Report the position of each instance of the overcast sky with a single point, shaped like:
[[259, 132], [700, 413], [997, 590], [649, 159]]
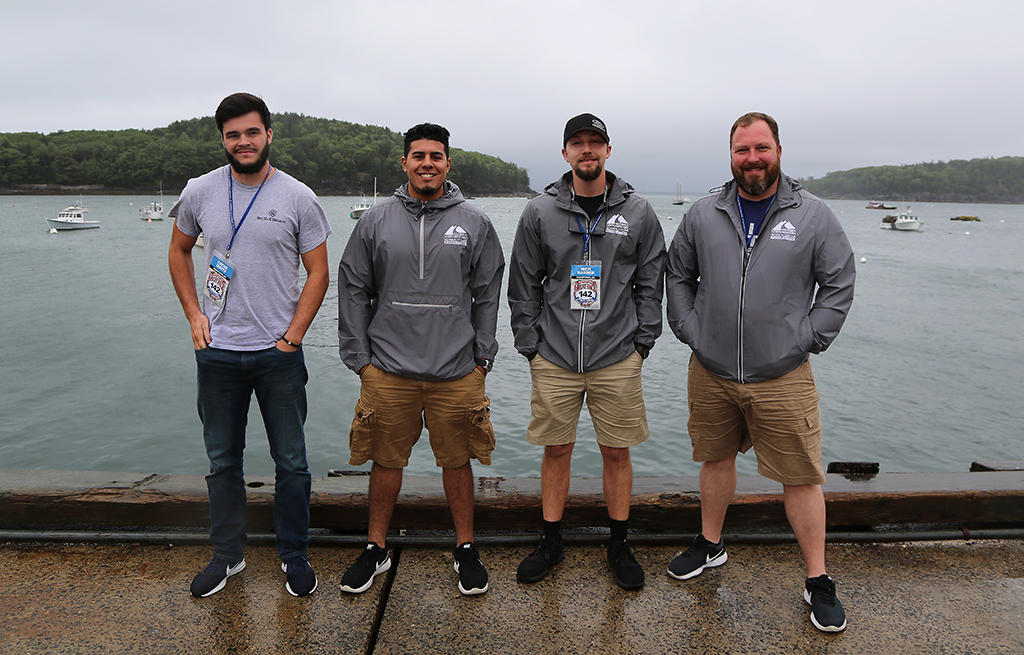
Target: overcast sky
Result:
[[851, 84]]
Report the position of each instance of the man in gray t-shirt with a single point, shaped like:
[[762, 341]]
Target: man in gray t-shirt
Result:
[[258, 225]]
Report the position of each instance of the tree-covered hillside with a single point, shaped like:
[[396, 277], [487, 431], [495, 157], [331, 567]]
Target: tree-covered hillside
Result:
[[330, 156], [977, 180]]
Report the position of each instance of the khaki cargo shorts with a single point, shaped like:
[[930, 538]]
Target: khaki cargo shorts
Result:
[[614, 395], [392, 410], [779, 418]]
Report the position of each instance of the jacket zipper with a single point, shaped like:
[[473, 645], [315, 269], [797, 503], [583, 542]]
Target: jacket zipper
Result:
[[420, 304], [422, 221]]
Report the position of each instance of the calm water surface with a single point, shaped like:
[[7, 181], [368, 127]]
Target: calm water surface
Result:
[[99, 372]]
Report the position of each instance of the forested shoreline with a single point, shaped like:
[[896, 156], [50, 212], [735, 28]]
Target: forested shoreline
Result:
[[333, 157], [999, 180]]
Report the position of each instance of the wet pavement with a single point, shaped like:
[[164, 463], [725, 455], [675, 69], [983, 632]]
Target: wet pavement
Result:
[[964, 596]]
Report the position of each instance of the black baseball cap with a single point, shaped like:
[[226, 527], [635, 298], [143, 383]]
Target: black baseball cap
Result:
[[584, 122]]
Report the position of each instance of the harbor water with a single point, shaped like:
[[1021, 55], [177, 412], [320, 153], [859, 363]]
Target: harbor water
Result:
[[99, 374]]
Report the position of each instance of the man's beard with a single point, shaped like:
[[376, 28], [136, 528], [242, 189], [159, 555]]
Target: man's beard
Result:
[[588, 175], [249, 169], [757, 188]]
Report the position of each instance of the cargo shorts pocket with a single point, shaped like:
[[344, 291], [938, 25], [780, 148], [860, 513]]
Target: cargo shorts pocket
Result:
[[481, 432], [360, 437]]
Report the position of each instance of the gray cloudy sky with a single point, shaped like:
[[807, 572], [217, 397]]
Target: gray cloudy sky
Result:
[[851, 84]]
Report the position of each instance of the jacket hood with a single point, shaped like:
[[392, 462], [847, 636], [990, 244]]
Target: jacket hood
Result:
[[452, 196], [618, 190]]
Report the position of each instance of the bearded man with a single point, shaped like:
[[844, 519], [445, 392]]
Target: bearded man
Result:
[[585, 287], [259, 225], [760, 276]]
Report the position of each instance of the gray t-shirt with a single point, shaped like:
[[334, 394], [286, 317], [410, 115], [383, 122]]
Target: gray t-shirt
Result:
[[285, 221]]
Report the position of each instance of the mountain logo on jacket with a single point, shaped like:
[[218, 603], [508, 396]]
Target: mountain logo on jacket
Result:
[[456, 236], [617, 225], [784, 231]]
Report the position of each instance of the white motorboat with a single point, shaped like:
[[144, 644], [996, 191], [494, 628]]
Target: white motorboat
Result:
[[363, 205], [154, 211], [359, 208], [72, 218], [904, 221]]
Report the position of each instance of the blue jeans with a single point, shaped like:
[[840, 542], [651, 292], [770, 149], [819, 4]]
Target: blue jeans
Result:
[[227, 380]]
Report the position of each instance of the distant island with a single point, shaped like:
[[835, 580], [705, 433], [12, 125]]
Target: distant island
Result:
[[333, 157], [977, 180]]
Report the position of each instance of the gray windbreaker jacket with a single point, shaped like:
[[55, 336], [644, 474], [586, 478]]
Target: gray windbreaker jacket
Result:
[[628, 241], [758, 318], [419, 286]]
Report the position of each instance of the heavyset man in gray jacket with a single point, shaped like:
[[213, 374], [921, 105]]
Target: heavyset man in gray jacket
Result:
[[585, 287], [760, 276], [418, 293]]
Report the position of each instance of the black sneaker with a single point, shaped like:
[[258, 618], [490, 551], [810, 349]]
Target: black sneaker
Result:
[[472, 574], [827, 612], [537, 564], [213, 578], [301, 579], [628, 573], [701, 555], [360, 575]]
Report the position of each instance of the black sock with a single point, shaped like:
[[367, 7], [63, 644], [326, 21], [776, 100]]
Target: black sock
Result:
[[619, 529], [553, 530]]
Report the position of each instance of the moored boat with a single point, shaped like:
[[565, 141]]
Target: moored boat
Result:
[[904, 221], [72, 218], [874, 204]]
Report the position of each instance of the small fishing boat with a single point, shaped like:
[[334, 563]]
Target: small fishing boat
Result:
[[874, 204], [904, 221], [154, 211], [72, 218]]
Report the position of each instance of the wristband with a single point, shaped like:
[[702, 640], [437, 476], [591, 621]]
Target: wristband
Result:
[[293, 345]]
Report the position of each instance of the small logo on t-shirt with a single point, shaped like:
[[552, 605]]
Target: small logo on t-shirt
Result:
[[784, 231], [456, 236], [617, 225], [271, 216]]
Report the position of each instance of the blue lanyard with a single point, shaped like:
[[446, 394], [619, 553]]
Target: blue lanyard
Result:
[[755, 228], [587, 233], [231, 205]]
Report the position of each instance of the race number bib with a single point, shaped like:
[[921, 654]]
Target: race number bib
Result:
[[217, 280], [585, 285]]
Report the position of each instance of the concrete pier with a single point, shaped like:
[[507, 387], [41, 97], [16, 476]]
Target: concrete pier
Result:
[[94, 588]]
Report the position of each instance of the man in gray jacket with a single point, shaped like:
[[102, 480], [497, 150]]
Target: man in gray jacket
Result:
[[585, 288], [418, 293], [760, 276]]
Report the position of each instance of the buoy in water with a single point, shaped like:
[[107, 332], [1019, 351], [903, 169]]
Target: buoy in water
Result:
[[53, 230], [863, 260]]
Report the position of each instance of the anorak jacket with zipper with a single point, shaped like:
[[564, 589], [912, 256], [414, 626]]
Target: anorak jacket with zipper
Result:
[[751, 315], [628, 241], [419, 286]]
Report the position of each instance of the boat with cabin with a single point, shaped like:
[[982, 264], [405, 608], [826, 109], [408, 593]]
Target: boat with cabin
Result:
[[904, 221], [72, 218]]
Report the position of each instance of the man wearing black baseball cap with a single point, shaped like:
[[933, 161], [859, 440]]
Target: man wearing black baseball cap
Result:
[[585, 287]]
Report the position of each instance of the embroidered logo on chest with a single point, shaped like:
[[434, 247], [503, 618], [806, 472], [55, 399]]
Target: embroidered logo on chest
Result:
[[456, 236], [617, 225], [784, 231]]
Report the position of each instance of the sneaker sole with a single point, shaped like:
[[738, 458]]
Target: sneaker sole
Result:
[[231, 571], [823, 628], [380, 569], [475, 591], [544, 574], [717, 561], [288, 587]]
